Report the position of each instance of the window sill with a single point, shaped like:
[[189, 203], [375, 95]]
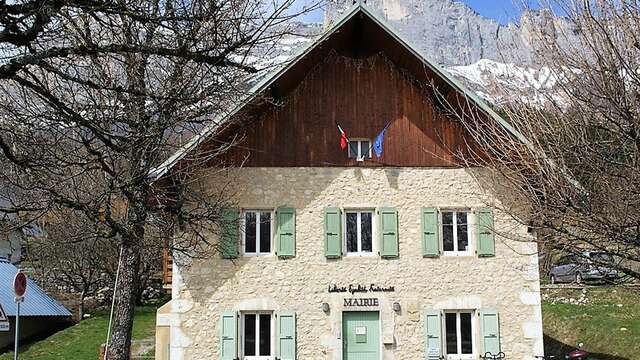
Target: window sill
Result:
[[466, 254], [258, 256], [360, 255]]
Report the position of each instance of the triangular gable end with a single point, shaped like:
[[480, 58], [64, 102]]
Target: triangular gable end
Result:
[[3, 315], [361, 22]]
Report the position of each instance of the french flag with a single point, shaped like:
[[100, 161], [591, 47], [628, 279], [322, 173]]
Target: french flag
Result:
[[344, 141]]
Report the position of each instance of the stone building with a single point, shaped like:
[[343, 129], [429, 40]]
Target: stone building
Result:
[[387, 248]]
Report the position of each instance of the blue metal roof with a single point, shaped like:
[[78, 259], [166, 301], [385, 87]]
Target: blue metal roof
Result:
[[36, 301]]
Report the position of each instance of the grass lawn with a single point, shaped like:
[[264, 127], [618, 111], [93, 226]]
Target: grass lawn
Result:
[[608, 325], [82, 341]]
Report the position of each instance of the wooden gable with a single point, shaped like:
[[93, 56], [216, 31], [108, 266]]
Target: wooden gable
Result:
[[362, 75], [361, 79], [363, 96]]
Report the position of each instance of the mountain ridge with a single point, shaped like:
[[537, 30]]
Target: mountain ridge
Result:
[[499, 62], [453, 34]]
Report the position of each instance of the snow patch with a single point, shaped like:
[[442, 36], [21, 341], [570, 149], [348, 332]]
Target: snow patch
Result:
[[486, 72], [498, 82]]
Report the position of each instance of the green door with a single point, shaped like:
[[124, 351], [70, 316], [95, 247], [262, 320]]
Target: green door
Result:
[[361, 335]]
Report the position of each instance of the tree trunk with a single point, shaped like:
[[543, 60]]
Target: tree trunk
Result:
[[81, 306], [120, 343]]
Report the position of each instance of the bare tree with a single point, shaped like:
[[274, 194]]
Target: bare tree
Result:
[[95, 94], [71, 257], [577, 163], [68, 257]]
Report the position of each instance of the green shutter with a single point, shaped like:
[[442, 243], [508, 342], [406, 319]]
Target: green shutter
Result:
[[490, 331], [333, 232], [430, 238], [388, 232], [229, 233], [286, 335], [286, 232], [228, 335], [486, 237], [432, 334]]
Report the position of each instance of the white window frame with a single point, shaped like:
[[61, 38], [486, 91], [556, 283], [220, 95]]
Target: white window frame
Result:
[[470, 241], [258, 238], [359, 211], [359, 156], [273, 336], [474, 336]]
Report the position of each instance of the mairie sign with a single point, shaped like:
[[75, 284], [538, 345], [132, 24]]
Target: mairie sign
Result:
[[361, 302]]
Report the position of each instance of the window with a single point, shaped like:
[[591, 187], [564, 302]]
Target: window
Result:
[[601, 258], [257, 331], [566, 260], [257, 232], [360, 149], [359, 232], [459, 330], [455, 232]]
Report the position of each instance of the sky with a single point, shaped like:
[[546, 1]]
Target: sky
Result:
[[503, 11]]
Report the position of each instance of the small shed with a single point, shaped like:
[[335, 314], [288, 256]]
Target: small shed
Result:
[[39, 313]]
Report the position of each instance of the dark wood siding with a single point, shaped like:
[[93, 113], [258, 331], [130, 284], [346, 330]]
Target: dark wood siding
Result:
[[362, 95]]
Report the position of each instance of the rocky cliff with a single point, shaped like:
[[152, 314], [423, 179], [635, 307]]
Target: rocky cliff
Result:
[[452, 34], [500, 63]]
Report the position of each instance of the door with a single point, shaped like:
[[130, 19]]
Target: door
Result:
[[361, 335], [571, 269]]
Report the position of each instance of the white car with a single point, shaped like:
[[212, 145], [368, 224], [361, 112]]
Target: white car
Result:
[[589, 265]]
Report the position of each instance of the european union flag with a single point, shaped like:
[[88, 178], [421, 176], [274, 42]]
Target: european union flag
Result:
[[377, 143]]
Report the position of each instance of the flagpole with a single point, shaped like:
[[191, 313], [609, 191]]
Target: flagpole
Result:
[[113, 303], [342, 132]]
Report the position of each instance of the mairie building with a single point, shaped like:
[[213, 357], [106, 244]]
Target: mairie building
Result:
[[372, 241]]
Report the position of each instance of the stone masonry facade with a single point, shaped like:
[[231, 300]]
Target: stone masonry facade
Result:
[[508, 282]]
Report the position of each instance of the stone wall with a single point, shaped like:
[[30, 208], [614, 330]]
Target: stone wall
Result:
[[507, 282]]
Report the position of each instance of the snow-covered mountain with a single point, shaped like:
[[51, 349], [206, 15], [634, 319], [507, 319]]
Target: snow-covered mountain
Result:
[[500, 63], [451, 33], [500, 83]]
